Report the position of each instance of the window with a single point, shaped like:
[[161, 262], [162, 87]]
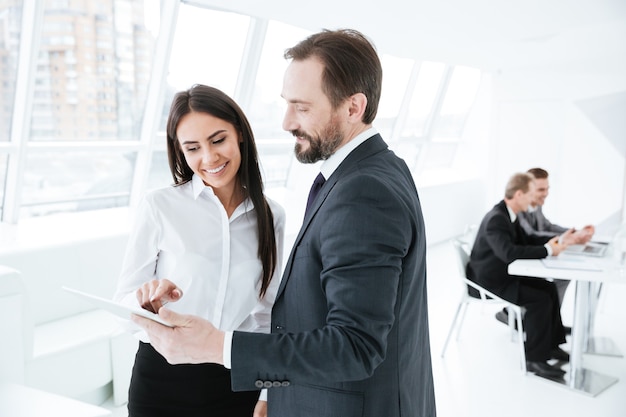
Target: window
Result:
[[78, 146], [10, 28], [425, 93], [267, 107], [200, 55], [458, 100], [71, 121]]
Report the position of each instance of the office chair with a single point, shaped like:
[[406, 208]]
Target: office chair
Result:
[[462, 249]]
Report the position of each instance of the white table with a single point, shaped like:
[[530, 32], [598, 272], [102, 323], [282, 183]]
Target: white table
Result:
[[20, 401], [587, 272]]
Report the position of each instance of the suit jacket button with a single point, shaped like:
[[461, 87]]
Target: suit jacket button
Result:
[[267, 384], [285, 383], [258, 383], [278, 327], [276, 384]]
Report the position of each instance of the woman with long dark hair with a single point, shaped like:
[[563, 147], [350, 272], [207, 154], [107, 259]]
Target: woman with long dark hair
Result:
[[210, 245]]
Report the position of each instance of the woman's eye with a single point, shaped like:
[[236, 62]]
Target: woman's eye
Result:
[[220, 140], [192, 149]]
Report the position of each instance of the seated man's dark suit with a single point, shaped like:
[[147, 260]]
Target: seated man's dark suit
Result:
[[498, 243], [535, 223]]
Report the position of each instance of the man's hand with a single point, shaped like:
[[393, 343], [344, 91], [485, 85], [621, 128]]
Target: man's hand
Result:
[[191, 340], [578, 237], [586, 233], [260, 410], [556, 246], [154, 294]]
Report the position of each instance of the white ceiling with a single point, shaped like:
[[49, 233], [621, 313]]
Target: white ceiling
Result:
[[575, 35]]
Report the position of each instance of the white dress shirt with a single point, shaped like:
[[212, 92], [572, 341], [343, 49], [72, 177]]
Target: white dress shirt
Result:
[[182, 233]]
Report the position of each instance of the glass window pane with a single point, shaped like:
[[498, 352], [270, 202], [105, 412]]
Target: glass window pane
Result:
[[207, 49], [10, 28], [423, 98], [396, 73], [3, 171], [160, 175], [76, 180], [93, 68], [459, 98], [267, 107]]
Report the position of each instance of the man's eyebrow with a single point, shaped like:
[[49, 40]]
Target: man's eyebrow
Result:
[[295, 100]]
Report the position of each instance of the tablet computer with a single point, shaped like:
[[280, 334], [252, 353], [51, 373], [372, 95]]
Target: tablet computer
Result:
[[118, 309], [589, 249]]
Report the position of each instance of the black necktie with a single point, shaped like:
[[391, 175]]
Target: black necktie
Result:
[[315, 189]]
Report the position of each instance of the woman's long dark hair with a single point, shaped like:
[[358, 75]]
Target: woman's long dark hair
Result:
[[204, 99]]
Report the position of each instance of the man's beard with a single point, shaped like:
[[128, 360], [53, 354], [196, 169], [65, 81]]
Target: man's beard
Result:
[[320, 147]]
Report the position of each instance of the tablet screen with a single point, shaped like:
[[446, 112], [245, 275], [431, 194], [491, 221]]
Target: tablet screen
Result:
[[118, 309]]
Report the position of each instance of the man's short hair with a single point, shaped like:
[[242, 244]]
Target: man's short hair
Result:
[[538, 173], [519, 181]]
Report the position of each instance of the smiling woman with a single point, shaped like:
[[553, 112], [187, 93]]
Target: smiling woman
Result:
[[212, 243]]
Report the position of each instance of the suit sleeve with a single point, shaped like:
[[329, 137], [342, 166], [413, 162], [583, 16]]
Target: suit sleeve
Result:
[[537, 235], [364, 232], [500, 236]]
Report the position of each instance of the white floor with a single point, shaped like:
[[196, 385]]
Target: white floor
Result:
[[480, 374]]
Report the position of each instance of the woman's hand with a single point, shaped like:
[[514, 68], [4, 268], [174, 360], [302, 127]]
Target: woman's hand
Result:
[[154, 294]]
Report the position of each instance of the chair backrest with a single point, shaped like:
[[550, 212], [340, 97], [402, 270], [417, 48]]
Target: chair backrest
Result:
[[463, 248], [463, 255]]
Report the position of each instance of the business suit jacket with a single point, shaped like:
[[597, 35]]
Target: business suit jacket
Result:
[[350, 322], [498, 243], [535, 223]]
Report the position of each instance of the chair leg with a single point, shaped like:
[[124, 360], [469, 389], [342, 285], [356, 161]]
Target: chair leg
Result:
[[520, 340], [512, 315], [454, 322], [462, 318]]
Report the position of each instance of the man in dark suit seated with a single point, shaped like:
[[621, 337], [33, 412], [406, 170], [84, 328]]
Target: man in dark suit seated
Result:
[[500, 241], [534, 222]]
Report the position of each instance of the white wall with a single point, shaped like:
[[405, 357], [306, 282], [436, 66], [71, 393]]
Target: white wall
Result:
[[536, 122]]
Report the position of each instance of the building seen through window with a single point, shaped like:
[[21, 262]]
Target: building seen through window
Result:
[[73, 117]]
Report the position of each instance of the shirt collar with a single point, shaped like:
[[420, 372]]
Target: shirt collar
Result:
[[532, 208], [331, 164], [198, 186], [512, 214]]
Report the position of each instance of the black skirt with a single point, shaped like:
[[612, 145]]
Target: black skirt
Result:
[[158, 389]]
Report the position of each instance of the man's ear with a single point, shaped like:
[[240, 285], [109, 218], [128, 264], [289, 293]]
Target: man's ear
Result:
[[356, 106]]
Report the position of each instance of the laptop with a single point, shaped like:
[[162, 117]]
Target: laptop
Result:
[[588, 249]]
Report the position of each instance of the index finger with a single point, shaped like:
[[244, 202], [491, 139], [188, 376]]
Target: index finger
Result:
[[163, 292]]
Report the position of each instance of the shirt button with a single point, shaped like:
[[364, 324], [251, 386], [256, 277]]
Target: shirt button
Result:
[[279, 327]]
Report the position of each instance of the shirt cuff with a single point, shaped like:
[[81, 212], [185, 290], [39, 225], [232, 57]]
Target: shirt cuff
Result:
[[228, 341], [548, 248], [263, 395]]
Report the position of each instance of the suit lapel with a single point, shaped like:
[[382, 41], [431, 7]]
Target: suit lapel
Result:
[[364, 150]]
